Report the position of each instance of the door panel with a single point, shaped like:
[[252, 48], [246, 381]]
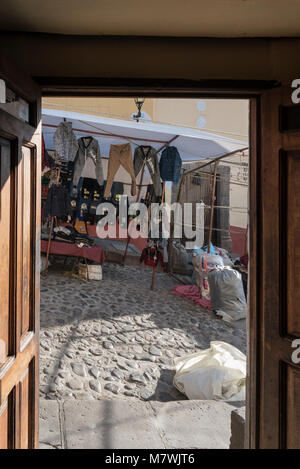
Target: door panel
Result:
[[275, 377], [4, 426], [24, 410], [27, 170], [292, 164], [20, 165], [292, 407]]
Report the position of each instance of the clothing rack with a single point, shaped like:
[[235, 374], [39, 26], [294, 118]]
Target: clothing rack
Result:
[[123, 137], [214, 178], [51, 229], [196, 171]]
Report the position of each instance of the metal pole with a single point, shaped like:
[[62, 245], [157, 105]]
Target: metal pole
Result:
[[51, 228], [49, 243], [212, 205], [167, 143], [214, 161]]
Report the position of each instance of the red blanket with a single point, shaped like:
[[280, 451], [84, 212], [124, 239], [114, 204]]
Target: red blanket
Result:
[[192, 292]]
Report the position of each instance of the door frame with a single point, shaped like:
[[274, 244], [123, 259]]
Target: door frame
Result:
[[231, 89], [251, 90]]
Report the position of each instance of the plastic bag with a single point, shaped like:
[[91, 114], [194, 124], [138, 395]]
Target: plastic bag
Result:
[[224, 254], [218, 373], [227, 293], [204, 263], [180, 258], [202, 250]]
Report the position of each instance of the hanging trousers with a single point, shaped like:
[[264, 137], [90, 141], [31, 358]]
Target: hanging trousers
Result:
[[119, 155]]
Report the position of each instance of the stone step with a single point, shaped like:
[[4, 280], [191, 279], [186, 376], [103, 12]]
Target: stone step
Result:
[[120, 424]]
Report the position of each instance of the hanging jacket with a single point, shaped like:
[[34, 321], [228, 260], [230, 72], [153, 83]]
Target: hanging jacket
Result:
[[88, 149], [149, 155], [170, 165], [58, 202], [65, 142]]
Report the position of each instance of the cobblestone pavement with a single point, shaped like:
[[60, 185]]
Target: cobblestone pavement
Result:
[[116, 339]]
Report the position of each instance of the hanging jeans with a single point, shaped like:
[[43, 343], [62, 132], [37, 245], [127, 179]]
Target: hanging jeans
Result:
[[119, 155]]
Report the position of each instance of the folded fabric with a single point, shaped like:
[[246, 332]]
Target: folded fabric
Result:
[[192, 292], [244, 260]]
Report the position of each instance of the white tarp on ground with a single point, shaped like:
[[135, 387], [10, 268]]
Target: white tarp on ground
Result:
[[217, 373], [192, 144]]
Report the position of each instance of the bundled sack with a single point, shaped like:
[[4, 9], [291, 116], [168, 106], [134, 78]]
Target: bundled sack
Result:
[[203, 264], [218, 373], [227, 293], [180, 258], [224, 254], [214, 250]]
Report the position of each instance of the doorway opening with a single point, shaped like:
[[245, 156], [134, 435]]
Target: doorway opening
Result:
[[112, 326]]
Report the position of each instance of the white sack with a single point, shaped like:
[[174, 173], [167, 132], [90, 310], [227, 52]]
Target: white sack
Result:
[[227, 293], [217, 373]]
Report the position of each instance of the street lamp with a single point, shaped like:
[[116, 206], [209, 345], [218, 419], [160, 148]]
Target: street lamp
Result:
[[139, 103]]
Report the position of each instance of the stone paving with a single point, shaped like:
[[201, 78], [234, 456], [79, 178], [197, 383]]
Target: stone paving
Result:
[[116, 339]]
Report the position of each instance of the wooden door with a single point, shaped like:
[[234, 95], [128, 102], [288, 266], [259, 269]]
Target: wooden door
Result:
[[20, 170], [274, 319]]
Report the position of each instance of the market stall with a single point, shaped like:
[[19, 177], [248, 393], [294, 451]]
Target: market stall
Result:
[[90, 159]]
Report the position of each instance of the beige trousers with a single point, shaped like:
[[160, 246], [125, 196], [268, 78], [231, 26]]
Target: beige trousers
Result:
[[119, 155]]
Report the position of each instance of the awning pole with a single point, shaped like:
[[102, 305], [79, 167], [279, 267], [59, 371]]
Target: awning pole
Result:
[[212, 206], [167, 143], [171, 238]]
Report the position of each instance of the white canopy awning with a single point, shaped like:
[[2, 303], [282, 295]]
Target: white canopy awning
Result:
[[192, 144]]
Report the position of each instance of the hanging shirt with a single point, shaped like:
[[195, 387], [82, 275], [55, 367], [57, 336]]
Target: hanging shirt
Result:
[[88, 159], [65, 142]]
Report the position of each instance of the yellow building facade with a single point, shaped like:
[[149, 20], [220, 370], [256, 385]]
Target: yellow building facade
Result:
[[226, 117]]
